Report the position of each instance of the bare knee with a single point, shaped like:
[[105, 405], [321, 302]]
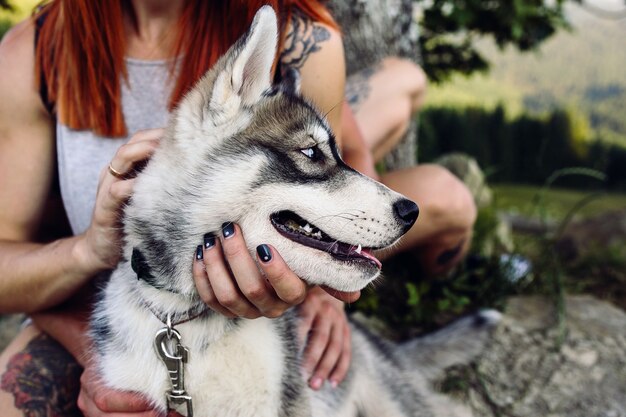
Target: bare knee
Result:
[[453, 207]]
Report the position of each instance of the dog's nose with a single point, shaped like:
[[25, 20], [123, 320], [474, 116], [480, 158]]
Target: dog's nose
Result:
[[406, 212]]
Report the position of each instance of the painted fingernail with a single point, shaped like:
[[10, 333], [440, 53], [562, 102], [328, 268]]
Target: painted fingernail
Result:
[[209, 240], [199, 254], [316, 383], [264, 252], [228, 229]]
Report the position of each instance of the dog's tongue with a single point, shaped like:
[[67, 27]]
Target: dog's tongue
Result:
[[367, 254]]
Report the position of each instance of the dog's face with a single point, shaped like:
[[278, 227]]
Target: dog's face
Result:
[[239, 149]]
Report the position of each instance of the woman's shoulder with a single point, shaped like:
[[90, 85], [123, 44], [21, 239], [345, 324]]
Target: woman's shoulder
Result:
[[305, 37], [17, 66], [19, 41], [17, 55]]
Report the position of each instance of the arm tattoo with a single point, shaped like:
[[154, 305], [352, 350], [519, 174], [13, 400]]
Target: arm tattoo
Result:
[[44, 379], [358, 86], [302, 40]]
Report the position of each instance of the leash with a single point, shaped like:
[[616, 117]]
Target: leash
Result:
[[168, 344]]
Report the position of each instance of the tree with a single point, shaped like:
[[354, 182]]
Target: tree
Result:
[[450, 27], [374, 29]]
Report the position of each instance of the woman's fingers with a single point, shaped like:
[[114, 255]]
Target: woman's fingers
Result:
[[287, 285], [246, 273], [229, 281], [130, 154], [203, 285], [223, 284]]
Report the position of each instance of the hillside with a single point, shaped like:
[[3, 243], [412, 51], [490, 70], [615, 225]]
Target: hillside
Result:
[[583, 70]]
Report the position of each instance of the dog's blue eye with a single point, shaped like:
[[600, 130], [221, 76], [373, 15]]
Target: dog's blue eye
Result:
[[311, 153]]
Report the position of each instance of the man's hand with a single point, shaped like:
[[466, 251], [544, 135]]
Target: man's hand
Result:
[[325, 330]]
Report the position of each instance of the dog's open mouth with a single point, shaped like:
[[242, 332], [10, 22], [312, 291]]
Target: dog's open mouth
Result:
[[295, 228]]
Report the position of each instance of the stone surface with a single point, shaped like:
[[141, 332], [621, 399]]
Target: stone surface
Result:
[[536, 367], [9, 325], [583, 237]]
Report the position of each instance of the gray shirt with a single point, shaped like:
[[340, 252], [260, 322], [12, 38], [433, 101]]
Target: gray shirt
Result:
[[82, 155]]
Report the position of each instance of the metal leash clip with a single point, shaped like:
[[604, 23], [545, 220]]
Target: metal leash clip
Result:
[[174, 355]]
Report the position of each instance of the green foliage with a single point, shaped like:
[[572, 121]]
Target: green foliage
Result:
[[12, 12], [450, 28], [581, 70], [527, 149], [4, 4]]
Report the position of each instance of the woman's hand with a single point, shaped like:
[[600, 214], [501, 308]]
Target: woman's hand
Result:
[[325, 330], [101, 248], [229, 281]]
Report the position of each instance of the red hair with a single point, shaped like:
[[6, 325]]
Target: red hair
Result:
[[81, 47]]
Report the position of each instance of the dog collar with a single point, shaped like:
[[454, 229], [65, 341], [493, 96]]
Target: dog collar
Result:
[[172, 320]]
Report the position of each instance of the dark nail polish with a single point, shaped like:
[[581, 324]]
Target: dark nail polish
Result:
[[209, 240], [264, 252], [228, 229], [199, 253]]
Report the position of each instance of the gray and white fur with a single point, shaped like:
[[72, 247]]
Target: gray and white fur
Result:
[[239, 149]]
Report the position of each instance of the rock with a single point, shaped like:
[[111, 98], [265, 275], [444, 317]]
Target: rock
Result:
[[9, 326], [467, 170], [534, 367], [582, 238]]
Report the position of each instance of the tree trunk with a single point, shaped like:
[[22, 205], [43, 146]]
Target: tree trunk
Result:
[[373, 30]]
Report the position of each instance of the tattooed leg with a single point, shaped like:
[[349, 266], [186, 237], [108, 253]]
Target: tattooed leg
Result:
[[42, 379], [358, 86]]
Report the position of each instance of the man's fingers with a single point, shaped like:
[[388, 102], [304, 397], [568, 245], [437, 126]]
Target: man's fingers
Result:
[[341, 369], [316, 345], [329, 359], [346, 297]]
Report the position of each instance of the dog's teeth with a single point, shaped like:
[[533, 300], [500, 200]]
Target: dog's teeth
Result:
[[307, 228], [358, 249]]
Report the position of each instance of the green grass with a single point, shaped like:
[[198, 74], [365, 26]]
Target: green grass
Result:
[[521, 199]]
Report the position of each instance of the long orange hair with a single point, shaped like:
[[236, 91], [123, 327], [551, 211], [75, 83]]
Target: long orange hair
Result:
[[81, 47]]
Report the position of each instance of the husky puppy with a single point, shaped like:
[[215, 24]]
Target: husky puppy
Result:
[[239, 149]]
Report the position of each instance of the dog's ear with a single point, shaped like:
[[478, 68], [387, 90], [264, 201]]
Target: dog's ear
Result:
[[290, 82], [247, 73]]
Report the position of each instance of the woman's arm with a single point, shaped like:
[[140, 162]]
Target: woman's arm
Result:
[[35, 276], [32, 276]]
